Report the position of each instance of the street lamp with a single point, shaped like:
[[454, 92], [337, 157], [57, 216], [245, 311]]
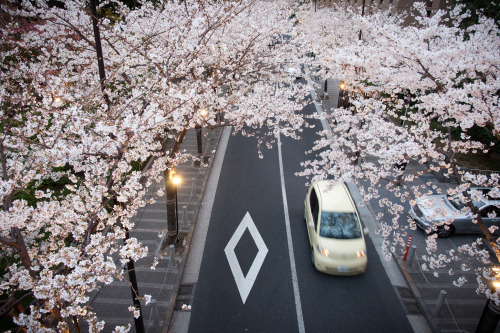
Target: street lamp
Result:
[[172, 181], [176, 180], [491, 313], [56, 101], [342, 96], [203, 113]]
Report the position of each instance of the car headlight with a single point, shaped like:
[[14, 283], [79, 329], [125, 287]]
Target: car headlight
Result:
[[361, 253], [324, 252]]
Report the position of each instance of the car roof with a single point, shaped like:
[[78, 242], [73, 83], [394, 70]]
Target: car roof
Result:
[[335, 198]]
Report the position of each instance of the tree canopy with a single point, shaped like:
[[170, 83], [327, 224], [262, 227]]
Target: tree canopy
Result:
[[415, 94], [72, 139]]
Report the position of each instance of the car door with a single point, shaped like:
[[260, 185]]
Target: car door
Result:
[[464, 224], [307, 210]]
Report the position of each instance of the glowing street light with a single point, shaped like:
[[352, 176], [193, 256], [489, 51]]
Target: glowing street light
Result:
[[172, 211], [203, 112], [496, 284], [57, 101], [343, 100], [176, 180], [491, 312]]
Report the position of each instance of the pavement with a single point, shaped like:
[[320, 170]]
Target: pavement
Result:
[[163, 283], [173, 283]]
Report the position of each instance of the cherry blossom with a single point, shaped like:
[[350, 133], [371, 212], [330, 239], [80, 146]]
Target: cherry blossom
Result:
[[70, 139], [402, 81]]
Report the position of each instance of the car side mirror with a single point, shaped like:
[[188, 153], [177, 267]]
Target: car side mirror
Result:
[[366, 231], [310, 224]]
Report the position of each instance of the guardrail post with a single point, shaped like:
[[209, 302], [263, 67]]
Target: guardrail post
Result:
[[411, 255], [184, 215], [407, 248], [440, 301], [154, 313], [172, 262]]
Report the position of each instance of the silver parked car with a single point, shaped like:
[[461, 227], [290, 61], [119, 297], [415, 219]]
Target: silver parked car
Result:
[[430, 212]]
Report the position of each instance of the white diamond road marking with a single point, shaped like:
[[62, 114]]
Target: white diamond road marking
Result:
[[245, 283]]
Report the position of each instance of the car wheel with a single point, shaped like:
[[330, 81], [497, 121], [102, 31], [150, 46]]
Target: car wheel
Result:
[[312, 257], [443, 232]]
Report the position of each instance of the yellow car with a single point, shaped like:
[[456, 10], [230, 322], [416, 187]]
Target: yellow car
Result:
[[335, 231]]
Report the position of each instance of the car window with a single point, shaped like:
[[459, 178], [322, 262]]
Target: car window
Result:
[[314, 207], [490, 212], [339, 225]]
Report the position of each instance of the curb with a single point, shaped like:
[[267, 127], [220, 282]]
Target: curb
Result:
[[187, 245], [426, 312]]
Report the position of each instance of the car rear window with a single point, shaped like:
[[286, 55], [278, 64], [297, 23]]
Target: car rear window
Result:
[[339, 225]]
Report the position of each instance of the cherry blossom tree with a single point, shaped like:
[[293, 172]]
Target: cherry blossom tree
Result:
[[415, 92], [73, 145]]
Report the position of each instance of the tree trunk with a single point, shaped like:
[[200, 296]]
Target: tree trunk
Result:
[[134, 287], [98, 48]]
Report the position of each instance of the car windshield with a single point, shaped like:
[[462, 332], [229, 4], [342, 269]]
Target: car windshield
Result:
[[339, 225], [455, 201]]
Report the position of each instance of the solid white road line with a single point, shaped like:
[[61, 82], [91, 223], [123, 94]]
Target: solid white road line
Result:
[[296, 293]]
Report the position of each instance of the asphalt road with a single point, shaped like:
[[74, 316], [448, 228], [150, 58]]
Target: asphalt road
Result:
[[248, 236]]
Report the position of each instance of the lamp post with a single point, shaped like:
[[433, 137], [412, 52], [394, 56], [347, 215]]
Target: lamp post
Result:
[[172, 214], [176, 180], [340, 102], [491, 313], [203, 113]]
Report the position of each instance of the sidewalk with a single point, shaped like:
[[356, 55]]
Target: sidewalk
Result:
[[163, 283], [459, 309]]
